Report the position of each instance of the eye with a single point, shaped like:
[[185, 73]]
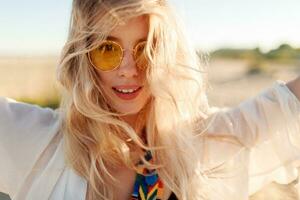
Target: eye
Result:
[[140, 56], [106, 47], [139, 49]]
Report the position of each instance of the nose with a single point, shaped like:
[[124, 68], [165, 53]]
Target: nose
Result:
[[128, 66]]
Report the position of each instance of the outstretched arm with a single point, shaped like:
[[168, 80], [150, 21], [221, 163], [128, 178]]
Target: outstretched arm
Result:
[[258, 119], [294, 86], [26, 132]]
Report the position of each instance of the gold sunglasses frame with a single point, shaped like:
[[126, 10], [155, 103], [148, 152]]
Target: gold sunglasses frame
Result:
[[134, 51]]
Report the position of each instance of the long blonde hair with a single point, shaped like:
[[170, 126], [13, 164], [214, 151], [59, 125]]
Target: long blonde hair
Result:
[[95, 137]]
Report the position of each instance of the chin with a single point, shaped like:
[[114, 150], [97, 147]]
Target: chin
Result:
[[129, 109]]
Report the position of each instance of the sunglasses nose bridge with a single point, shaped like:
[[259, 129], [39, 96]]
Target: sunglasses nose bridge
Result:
[[128, 67], [128, 52]]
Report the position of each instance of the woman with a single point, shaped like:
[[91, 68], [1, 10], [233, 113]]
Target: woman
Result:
[[134, 122]]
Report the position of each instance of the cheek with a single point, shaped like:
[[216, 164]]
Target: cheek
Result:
[[105, 84], [105, 79]]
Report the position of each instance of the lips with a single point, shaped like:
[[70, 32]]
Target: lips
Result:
[[127, 92]]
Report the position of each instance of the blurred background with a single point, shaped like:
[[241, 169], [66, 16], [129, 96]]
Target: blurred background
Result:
[[247, 45]]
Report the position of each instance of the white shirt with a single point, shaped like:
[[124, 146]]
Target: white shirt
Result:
[[267, 129]]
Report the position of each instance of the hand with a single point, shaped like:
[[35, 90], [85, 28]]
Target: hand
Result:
[[294, 86]]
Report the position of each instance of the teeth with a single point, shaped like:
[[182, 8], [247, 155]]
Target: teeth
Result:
[[127, 90]]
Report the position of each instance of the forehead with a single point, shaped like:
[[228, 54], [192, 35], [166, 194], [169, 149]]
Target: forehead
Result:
[[135, 28]]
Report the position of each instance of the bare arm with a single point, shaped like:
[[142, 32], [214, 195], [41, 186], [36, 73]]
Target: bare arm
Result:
[[294, 86]]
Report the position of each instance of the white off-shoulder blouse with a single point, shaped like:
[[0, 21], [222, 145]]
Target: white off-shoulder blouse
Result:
[[259, 139]]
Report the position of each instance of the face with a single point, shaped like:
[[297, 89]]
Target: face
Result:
[[126, 87]]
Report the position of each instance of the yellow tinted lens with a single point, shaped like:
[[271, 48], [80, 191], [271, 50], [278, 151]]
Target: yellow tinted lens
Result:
[[107, 56], [140, 55]]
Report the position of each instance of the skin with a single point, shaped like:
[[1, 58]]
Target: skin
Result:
[[127, 74], [294, 86], [128, 35]]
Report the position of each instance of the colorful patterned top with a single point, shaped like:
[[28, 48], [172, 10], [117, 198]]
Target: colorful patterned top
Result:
[[148, 185]]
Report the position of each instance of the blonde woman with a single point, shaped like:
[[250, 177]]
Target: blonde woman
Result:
[[134, 122]]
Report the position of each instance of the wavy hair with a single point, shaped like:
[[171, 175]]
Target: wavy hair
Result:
[[96, 139]]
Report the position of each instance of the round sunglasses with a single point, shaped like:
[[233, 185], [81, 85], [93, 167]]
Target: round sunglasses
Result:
[[109, 55]]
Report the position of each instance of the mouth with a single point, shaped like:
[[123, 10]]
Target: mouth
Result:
[[127, 93]]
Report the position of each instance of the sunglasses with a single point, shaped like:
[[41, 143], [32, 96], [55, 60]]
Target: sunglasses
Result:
[[109, 55]]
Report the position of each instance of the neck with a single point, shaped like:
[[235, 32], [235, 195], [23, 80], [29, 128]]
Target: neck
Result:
[[138, 121], [135, 122], [130, 119]]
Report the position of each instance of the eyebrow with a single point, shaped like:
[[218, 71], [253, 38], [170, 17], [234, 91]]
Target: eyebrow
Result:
[[113, 38], [118, 40]]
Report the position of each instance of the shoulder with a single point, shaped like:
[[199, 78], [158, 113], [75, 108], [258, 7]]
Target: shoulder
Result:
[[15, 116], [27, 141], [16, 109]]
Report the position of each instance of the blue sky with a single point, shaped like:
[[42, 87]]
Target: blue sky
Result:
[[40, 26]]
